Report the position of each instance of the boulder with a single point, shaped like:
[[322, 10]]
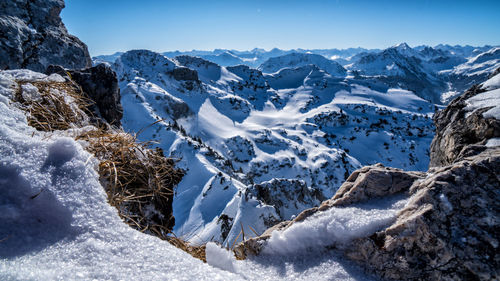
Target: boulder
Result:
[[448, 231]]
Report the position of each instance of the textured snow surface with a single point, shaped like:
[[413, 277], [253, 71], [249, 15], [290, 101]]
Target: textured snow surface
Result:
[[56, 223], [300, 252], [489, 98], [307, 265], [335, 226]]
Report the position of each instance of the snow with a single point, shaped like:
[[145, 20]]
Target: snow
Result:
[[493, 142], [219, 257], [56, 222], [490, 98], [492, 83], [300, 251], [335, 226]]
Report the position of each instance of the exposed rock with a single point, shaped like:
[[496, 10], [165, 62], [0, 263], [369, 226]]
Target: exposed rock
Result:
[[458, 134], [33, 36], [450, 229], [101, 86], [372, 182], [184, 73]]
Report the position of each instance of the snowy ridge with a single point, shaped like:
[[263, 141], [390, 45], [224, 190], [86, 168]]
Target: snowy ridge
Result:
[[295, 60], [239, 133]]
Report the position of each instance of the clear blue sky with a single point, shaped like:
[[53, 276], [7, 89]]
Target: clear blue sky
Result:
[[107, 26]]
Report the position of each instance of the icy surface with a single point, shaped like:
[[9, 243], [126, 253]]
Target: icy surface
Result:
[[56, 223]]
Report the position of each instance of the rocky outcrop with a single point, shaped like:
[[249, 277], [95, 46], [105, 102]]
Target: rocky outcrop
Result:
[[32, 36], [100, 85], [448, 231], [184, 74], [459, 134], [371, 182]]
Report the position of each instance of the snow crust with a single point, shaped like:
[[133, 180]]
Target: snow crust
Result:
[[300, 251], [335, 226]]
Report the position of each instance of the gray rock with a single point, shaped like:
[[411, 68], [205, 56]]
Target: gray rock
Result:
[[372, 182], [33, 36], [448, 231], [100, 84], [458, 135]]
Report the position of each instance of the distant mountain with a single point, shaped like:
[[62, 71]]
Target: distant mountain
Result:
[[225, 59], [294, 60], [106, 58]]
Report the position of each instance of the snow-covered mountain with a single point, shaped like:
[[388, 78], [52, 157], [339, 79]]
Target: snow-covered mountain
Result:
[[263, 134], [258, 148], [435, 74], [295, 60]]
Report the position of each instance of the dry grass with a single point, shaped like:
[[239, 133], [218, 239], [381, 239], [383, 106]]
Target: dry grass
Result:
[[60, 105], [139, 181], [195, 251]]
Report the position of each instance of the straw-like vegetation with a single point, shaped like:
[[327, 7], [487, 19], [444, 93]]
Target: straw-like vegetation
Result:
[[58, 105], [139, 181]]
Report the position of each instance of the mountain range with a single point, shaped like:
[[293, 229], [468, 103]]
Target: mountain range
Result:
[[259, 145]]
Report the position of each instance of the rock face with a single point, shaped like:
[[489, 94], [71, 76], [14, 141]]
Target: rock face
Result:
[[459, 135], [371, 182], [101, 86], [33, 36], [448, 231], [450, 227]]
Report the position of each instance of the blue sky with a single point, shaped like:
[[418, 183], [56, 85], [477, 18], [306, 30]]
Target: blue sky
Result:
[[107, 26]]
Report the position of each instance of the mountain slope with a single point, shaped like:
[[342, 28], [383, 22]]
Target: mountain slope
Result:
[[239, 135]]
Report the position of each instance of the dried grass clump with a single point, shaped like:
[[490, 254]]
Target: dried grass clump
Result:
[[58, 106], [139, 181], [195, 251]]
